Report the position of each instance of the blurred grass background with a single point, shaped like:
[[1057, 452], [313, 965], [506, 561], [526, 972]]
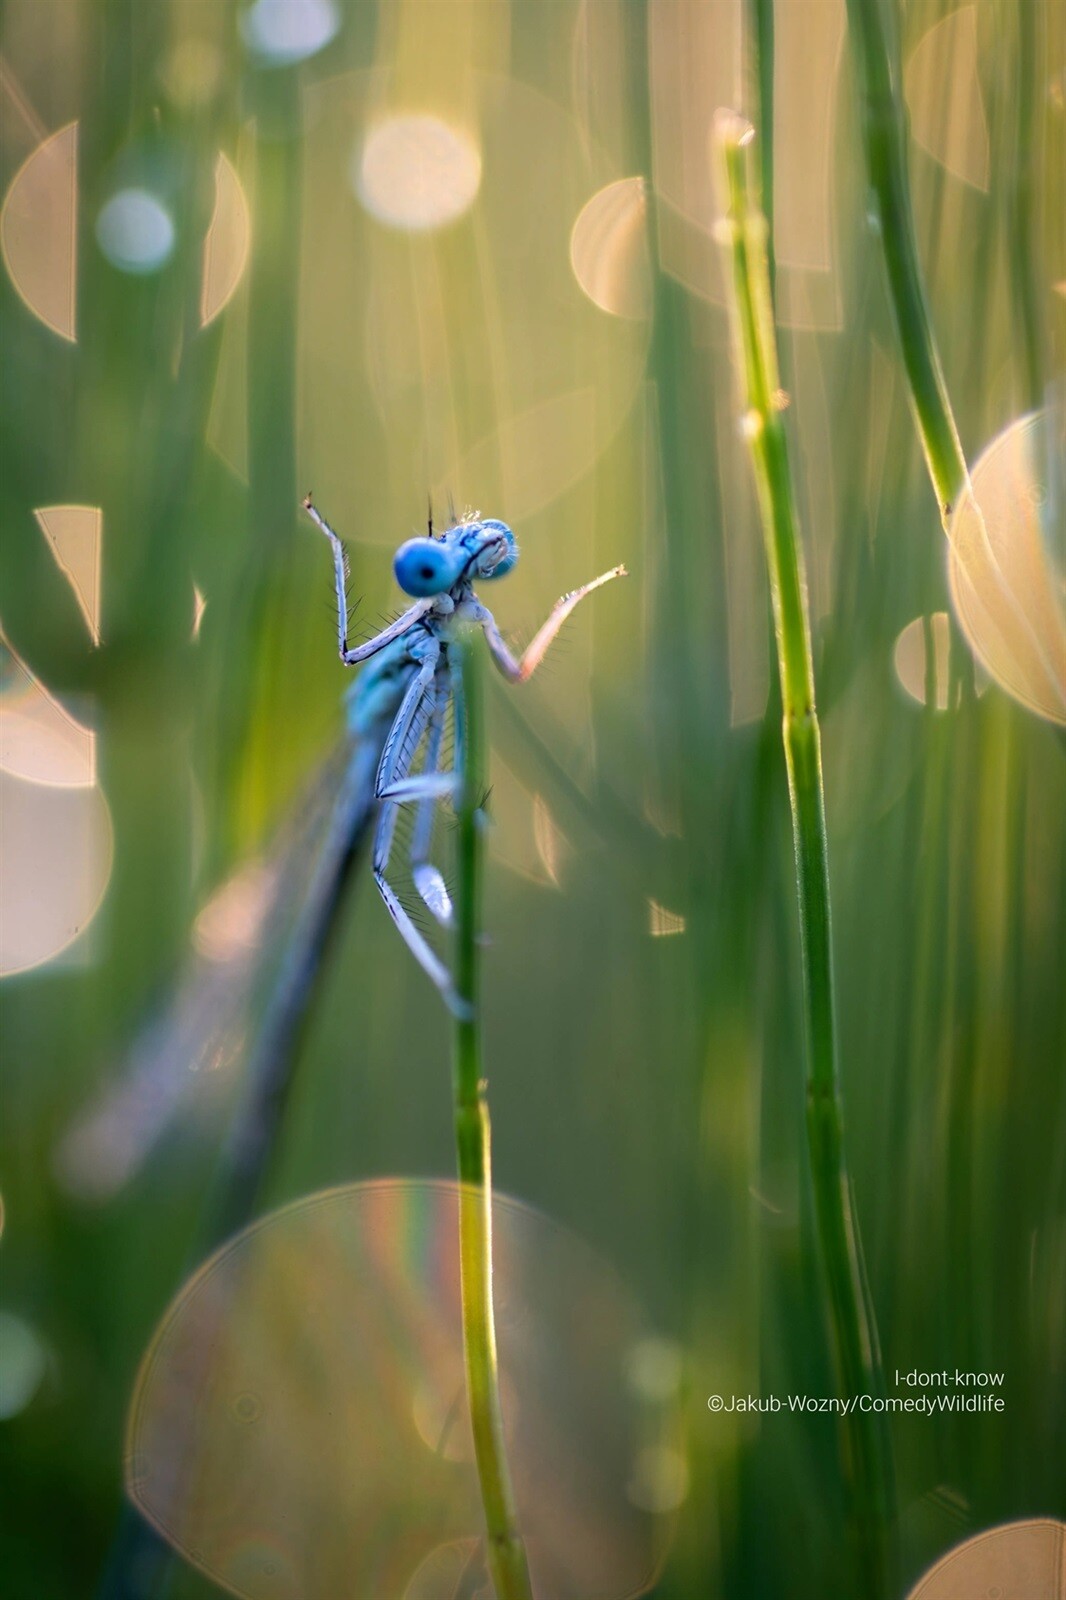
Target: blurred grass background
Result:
[[642, 1029]]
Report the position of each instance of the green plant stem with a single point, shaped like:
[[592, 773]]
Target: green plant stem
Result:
[[884, 126], [506, 1552], [761, 27], [854, 1331], [885, 138]]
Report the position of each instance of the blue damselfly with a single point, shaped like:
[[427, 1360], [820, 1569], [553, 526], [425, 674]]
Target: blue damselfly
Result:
[[246, 988]]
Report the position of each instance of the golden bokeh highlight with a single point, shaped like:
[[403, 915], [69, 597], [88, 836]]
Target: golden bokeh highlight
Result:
[[609, 249], [56, 848], [1006, 585], [943, 93], [40, 741], [299, 1457], [910, 658], [74, 534], [56, 844], [226, 243], [416, 172], [38, 230], [1022, 1560], [38, 227]]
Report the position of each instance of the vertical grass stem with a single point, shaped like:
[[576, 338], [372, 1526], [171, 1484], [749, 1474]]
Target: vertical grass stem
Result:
[[743, 232], [506, 1552], [884, 128], [885, 137]]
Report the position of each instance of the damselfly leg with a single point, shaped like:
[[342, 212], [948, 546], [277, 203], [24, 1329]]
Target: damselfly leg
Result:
[[433, 786], [518, 671], [353, 656], [421, 715]]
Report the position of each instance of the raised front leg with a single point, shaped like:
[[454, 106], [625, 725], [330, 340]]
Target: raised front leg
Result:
[[519, 670], [352, 656]]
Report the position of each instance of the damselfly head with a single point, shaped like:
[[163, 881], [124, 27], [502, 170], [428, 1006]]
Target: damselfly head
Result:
[[470, 550], [499, 549], [426, 567]]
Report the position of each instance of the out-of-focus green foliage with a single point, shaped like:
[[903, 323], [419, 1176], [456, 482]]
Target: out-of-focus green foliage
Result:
[[642, 1031]]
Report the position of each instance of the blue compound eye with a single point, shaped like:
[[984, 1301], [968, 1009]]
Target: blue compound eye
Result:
[[424, 567], [500, 557]]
